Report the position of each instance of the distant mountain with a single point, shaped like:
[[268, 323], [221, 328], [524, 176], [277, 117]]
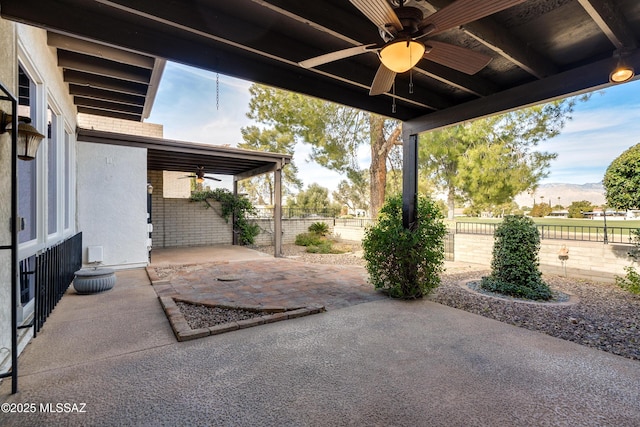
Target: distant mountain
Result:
[[568, 193]]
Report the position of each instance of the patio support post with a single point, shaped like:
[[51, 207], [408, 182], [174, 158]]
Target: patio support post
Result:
[[234, 235], [409, 179], [277, 211]]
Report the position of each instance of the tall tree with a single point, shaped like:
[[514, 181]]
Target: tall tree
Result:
[[260, 189], [489, 161], [335, 132], [622, 180]]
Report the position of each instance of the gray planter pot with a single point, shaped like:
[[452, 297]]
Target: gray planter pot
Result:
[[94, 280]]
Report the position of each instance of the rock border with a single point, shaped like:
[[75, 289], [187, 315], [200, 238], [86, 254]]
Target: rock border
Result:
[[183, 331], [573, 299]]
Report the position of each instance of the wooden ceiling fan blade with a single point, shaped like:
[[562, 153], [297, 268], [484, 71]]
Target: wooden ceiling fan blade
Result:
[[334, 56], [462, 12], [213, 178], [456, 57], [383, 81], [380, 13]]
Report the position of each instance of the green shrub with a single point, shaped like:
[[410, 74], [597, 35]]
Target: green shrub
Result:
[[308, 239], [514, 267], [324, 247], [405, 263], [320, 228], [631, 280], [232, 205]]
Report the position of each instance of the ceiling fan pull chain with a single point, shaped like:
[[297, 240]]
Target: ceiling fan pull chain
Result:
[[217, 91], [411, 81], [393, 105]]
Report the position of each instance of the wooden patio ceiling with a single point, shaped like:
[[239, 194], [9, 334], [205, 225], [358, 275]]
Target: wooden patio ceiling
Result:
[[539, 49]]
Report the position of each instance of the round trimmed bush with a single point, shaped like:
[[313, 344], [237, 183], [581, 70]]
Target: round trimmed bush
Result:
[[514, 267]]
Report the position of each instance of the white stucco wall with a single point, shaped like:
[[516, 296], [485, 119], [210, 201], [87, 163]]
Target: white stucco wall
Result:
[[41, 59], [8, 78], [112, 202]]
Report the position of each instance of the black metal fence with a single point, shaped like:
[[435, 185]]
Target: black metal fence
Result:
[[558, 232], [53, 272], [288, 212], [354, 222]]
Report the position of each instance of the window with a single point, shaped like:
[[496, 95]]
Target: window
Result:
[[27, 170]]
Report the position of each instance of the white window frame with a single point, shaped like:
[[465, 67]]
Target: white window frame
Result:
[[38, 120], [69, 194]]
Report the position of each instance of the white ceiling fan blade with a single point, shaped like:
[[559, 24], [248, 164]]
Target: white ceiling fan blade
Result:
[[383, 81], [380, 13], [456, 57], [462, 12], [334, 56]]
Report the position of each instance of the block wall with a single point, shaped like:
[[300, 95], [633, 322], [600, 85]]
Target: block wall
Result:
[[129, 127], [181, 222], [587, 260]]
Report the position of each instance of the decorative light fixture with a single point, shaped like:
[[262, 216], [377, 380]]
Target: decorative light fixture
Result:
[[401, 55], [28, 137], [623, 71]]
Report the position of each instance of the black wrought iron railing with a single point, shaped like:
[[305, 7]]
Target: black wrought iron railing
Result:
[[558, 232], [288, 212], [354, 222], [53, 273]]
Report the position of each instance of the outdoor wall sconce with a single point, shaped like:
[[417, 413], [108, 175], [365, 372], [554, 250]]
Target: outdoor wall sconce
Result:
[[28, 137], [623, 71]]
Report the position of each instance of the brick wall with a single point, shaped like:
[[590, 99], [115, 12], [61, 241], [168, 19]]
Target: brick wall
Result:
[[179, 222], [107, 124]]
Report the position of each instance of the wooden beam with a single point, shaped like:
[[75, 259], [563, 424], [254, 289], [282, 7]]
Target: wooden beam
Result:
[[611, 22], [99, 50], [581, 79], [80, 78], [106, 95], [102, 67], [492, 35]]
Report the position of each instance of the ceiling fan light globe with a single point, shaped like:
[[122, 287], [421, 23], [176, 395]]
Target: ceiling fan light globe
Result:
[[401, 56], [199, 180], [621, 74]]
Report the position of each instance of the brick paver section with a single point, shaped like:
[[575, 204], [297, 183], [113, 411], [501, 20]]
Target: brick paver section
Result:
[[270, 282]]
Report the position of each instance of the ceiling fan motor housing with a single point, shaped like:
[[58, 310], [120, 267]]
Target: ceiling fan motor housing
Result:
[[410, 18]]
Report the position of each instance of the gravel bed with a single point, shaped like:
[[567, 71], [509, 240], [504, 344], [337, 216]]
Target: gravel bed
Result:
[[606, 317], [202, 316]]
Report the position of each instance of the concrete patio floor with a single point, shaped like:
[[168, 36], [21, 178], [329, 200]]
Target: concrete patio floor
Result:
[[375, 363]]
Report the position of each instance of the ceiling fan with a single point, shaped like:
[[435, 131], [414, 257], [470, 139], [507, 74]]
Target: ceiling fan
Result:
[[406, 33], [200, 176]]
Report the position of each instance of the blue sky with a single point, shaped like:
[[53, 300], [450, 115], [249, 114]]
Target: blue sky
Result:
[[600, 131]]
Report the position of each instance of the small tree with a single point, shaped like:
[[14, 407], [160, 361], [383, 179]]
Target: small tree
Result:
[[576, 209], [405, 263], [540, 210], [622, 180], [515, 261]]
